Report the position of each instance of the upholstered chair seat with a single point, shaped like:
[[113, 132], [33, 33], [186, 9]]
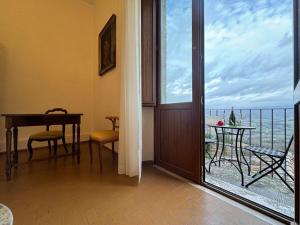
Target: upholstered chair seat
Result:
[[104, 136], [49, 135], [46, 135]]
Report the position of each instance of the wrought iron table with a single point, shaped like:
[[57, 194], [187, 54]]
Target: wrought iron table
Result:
[[239, 133]]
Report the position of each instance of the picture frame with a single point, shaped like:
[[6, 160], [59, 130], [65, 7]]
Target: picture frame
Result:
[[107, 46]]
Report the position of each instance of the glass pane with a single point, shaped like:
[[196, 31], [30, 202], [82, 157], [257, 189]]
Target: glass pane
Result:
[[249, 74], [176, 51]]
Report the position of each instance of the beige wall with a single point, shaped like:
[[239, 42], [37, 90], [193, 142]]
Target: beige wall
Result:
[[106, 88], [45, 59], [49, 56]]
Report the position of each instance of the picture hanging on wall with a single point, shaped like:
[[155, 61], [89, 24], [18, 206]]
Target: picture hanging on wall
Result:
[[107, 46]]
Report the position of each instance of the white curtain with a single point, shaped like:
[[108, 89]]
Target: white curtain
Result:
[[130, 141]]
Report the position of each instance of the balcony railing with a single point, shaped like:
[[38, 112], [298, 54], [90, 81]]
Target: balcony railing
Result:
[[274, 128]]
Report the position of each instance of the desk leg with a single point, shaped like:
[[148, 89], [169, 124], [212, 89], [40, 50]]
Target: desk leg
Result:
[[8, 154], [78, 143], [15, 155], [242, 153], [237, 156], [216, 153], [73, 139], [223, 146]]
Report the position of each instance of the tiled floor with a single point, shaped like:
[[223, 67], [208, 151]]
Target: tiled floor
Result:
[[60, 192], [269, 191]]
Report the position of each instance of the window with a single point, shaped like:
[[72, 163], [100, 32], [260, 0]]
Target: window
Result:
[[176, 51]]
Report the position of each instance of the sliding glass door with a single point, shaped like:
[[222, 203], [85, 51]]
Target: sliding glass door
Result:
[[225, 113], [249, 78]]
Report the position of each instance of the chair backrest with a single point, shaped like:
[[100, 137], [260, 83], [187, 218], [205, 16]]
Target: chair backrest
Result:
[[114, 120], [57, 111]]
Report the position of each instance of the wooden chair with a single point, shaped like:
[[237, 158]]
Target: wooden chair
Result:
[[53, 135], [104, 137]]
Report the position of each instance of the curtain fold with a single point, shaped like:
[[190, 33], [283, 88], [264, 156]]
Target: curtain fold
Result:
[[130, 140]]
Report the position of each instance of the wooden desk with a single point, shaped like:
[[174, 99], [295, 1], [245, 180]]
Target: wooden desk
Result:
[[23, 120]]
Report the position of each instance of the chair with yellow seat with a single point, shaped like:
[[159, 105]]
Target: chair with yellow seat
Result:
[[49, 135], [105, 137]]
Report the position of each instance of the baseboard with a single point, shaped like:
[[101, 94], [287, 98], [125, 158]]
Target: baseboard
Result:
[[148, 162], [22, 146], [22, 142]]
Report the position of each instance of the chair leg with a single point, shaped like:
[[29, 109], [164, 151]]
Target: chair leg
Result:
[[91, 151], [272, 169], [64, 144], [267, 173], [49, 146], [258, 178], [113, 151], [100, 156], [55, 147], [290, 176], [215, 155], [207, 148], [274, 162], [29, 149]]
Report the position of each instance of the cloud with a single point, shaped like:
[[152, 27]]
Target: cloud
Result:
[[178, 51], [255, 57], [248, 52]]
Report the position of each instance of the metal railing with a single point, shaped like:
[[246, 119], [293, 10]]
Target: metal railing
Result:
[[274, 128]]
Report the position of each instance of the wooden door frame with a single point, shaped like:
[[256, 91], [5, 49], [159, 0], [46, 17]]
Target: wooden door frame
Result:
[[198, 83], [296, 108]]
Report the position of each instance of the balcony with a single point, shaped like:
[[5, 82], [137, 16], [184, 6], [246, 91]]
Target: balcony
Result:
[[273, 129]]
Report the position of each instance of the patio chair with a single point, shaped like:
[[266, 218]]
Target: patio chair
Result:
[[208, 142], [278, 157]]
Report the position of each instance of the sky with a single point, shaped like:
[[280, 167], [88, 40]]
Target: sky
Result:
[[178, 51], [248, 53]]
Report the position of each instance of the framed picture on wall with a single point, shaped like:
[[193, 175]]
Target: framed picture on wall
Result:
[[107, 46]]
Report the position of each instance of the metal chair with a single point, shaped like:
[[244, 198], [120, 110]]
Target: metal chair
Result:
[[49, 135], [104, 137], [207, 143], [278, 157]]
